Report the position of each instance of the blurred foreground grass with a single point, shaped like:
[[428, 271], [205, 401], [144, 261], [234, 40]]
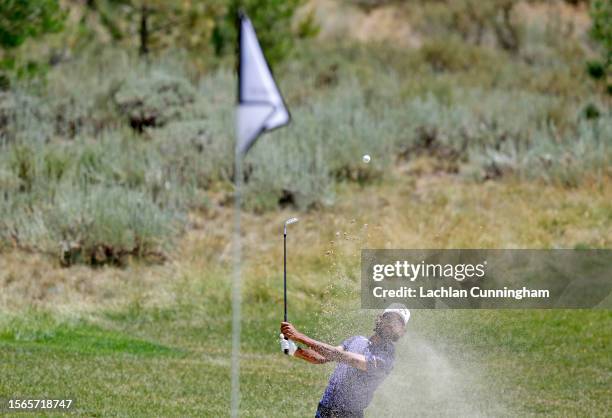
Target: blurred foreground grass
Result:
[[551, 363], [155, 340]]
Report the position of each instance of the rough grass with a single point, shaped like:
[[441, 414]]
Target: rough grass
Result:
[[155, 340]]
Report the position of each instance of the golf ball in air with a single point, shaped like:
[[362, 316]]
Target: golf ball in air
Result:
[[366, 158]]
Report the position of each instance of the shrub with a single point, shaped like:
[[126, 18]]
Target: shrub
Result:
[[192, 154], [23, 117], [22, 20], [287, 171], [443, 55], [97, 225], [154, 101], [92, 201], [80, 92], [596, 69], [106, 224], [601, 29], [557, 158], [601, 32]]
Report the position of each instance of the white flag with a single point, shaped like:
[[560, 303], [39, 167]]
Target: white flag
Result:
[[260, 105]]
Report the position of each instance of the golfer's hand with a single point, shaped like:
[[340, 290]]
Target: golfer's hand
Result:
[[287, 345], [289, 331]]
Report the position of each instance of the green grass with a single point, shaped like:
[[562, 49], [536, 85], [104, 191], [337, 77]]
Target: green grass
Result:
[[150, 364], [176, 362], [81, 339]]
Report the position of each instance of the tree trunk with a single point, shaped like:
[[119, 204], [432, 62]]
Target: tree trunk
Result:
[[144, 30], [507, 34]]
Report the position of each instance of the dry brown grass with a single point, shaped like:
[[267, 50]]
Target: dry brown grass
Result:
[[432, 211]]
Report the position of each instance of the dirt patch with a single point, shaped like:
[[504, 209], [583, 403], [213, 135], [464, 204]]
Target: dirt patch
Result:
[[342, 21], [574, 20]]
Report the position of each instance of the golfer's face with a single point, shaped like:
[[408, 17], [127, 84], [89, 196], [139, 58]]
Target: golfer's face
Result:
[[392, 326]]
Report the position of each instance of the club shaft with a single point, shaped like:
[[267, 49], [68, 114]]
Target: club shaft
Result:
[[285, 278]]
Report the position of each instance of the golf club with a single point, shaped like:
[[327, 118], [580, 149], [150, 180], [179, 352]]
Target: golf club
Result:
[[287, 222]]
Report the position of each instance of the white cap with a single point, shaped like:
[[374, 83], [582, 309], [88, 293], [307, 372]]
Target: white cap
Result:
[[399, 309]]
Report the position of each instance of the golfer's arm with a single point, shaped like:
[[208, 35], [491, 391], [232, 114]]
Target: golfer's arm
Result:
[[338, 354], [310, 356]]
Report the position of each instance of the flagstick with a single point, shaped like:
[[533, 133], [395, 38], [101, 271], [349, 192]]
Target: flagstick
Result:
[[263, 96], [285, 270], [236, 289]]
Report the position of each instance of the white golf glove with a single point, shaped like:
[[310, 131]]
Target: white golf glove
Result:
[[287, 345]]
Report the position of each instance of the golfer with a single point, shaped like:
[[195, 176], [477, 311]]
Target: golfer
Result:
[[363, 363]]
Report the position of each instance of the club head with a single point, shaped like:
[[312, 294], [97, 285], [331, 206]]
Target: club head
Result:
[[289, 222]]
